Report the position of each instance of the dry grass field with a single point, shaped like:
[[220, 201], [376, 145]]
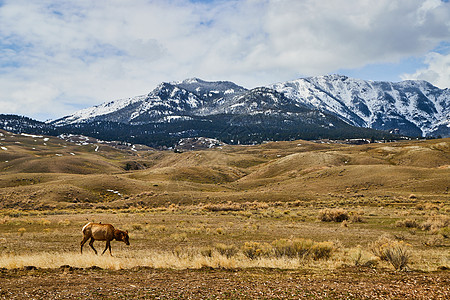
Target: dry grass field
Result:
[[285, 219]]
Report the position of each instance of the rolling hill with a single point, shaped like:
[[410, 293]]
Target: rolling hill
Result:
[[44, 172]]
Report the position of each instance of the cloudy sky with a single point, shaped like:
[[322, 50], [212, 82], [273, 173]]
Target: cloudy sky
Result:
[[58, 56]]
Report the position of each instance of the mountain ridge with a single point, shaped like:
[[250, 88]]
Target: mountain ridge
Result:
[[330, 107], [359, 102], [414, 108]]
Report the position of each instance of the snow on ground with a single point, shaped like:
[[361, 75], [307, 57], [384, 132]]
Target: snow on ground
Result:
[[115, 192], [31, 135]]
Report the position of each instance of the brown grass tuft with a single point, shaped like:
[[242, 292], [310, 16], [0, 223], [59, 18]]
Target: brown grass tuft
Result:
[[302, 248], [255, 250], [407, 223], [333, 215], [226, 250], [436, 222], [396, 253]]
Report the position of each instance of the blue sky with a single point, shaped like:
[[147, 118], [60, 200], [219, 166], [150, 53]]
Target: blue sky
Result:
[[58, 56]]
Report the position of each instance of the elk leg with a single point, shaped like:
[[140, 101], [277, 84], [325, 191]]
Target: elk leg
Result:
[[91, 243], [108, 245], [82, 243]]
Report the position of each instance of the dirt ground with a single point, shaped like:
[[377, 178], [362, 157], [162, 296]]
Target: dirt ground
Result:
[[206, 283]]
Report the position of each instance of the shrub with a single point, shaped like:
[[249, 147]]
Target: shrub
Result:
[[179, 237], [436, 222], [64, 223], [360, 257], [333, 215], [394, 252], [292, 248], [434, 241], [376, 247], [322, 250], [44, 222], [408, 223], [356, 217], [136, 226], [302, 248], [397, 254], [226, 250], [223, 207], [445, 232], [255, 250], [206, 251], [185, 252], [160, 228]]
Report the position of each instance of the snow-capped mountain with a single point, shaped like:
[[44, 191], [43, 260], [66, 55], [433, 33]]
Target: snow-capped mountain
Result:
[[166, 103], [413, 108]]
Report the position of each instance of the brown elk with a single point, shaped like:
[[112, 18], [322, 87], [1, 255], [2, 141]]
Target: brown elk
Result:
[[102, 232]]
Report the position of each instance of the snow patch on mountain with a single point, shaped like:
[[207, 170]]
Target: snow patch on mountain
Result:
[[410, 107], [90, 113], [414, 106]]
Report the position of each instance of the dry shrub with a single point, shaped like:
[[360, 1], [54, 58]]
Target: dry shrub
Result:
[[255, 205], [292, 248], [136, 226], [223, 207], [398, 255], [408, 223], [436, 222], [322, 250], [226, 250], [206, 251], [359, 257], [64, 223], [254, 250], [395, 252], [427, 206], [185, 252], [445, 232], [333, 215], [376, 247], [302, 248], [356, 217], [179, 237], [434, 241], [160, 228], [44, 222]]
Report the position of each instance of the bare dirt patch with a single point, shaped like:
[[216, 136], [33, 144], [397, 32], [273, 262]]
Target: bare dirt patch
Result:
[[206, 283]]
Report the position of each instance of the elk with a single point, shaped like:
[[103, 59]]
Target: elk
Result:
[[102, 232]]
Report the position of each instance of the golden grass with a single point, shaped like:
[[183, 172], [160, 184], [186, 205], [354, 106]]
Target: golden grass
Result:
[[198, 258], [206, 208], [179, 237], [282, 171], [157, 259]]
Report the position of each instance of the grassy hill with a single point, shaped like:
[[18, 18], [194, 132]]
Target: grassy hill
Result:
[[39, 172], [270, 208]]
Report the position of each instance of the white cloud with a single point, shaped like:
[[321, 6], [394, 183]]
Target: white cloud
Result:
[[57, 56], [437, 70]]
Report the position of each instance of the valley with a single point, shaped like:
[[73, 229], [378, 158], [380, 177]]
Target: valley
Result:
[[316, 212]]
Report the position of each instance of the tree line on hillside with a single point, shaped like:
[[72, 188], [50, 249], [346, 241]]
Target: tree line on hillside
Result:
[[233, 129]]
